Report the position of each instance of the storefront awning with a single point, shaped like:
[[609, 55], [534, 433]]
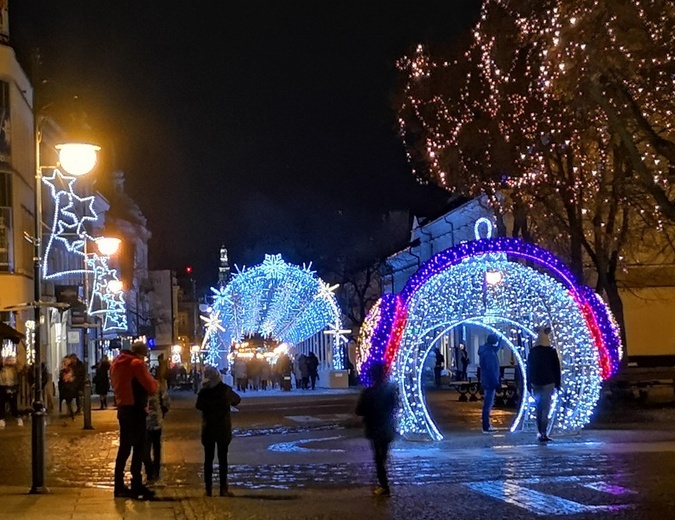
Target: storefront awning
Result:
[[7, 332]]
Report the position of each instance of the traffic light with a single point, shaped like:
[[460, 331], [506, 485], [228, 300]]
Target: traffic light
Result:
[[188, 269]]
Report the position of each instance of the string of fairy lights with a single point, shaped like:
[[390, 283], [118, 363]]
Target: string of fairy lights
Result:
[[537, 106], [484, 283], [277, 300]]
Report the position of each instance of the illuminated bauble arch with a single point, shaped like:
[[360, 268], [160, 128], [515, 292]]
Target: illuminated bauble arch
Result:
[[276, 300], [461, 286]]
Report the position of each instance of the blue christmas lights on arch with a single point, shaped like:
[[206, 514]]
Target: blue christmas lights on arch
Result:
[[277, 300], [455, 287]]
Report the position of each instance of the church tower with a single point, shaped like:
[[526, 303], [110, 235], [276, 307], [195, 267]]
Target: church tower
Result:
[[224, 269]]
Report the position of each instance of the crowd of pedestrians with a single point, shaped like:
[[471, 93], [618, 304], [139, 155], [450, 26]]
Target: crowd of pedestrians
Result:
[[256, 372]]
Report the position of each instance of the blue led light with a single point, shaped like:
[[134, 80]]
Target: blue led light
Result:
[[277, 300]]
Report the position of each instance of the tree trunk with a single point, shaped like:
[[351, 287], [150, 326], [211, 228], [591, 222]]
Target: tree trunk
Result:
[[616, 306]]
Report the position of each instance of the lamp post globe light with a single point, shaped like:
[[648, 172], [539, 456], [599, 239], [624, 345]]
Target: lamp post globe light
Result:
[[69, 162], [77, 158], [108, 245]]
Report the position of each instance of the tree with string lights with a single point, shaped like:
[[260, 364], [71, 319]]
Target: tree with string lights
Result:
[[530, 115]]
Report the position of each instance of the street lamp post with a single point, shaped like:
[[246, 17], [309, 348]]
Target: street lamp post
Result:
[[68, 160]]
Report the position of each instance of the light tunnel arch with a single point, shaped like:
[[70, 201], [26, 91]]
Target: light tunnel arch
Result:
[[583, 329], [526, 299], [419, 400], [277, 300]]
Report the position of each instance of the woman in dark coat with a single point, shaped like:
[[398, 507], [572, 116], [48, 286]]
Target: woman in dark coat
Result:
[[214, 401], [102, 381]]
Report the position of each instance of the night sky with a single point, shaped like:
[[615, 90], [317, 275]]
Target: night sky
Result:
[[266, 126]]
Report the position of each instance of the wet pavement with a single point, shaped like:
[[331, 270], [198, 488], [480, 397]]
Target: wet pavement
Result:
[[304, 457]]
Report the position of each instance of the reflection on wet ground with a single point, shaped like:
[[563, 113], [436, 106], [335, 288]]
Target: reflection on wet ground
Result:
[[403, 471]]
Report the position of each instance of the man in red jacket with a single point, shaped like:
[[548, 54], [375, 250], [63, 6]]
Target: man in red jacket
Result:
[[132, 383]]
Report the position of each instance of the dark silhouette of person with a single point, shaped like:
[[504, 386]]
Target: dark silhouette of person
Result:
[[438, 367], [102, 381], [312, 368], [284, 367], [543, 376], [132, 383], [377, 405], [214, 400], [489, 377], [463, 361], [80, 374]]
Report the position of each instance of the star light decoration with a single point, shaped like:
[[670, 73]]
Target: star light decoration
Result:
[[451, 290], [277, 300], [112, 305], [68, 226], [212, 324], [71, 215]]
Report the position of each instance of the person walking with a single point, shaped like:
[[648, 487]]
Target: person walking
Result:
[[214, 401], [265, 372], [312, 363], [79, 373], [9, 390], [285, 368], [301, 373], [239, 373], [489, 378], [463, 361], [377, 405], [438, 367], [67, 386], [543, 376], [158, 407], [102, 381], [132, 384]]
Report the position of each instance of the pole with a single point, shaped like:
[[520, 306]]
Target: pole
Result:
[[86, 398], [38, 415]]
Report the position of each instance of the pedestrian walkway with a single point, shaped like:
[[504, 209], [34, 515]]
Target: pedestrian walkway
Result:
[[296, 392]]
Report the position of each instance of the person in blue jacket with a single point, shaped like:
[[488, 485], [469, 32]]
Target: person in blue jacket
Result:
[[489, 377]]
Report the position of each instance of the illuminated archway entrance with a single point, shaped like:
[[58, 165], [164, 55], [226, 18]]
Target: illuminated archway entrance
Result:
[[275, 300], [484, 283]]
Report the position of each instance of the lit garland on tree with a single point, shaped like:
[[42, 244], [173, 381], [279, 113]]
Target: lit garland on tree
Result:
[[560, 109], [454, 288], [277, 300]]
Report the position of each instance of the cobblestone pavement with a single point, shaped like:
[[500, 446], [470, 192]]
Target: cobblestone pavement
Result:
[[320, 468]]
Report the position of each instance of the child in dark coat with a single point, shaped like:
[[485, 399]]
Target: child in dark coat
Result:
[[214, 401]]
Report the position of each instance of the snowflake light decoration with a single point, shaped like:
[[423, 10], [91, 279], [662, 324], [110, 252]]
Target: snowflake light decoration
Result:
[[276, 300]]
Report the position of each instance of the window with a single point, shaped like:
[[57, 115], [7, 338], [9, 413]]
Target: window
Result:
[[6, 233]]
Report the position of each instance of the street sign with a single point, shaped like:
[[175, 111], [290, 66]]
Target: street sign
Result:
[[86, 326]]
